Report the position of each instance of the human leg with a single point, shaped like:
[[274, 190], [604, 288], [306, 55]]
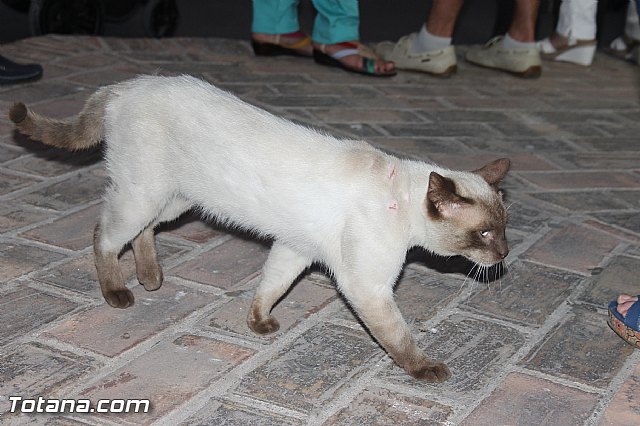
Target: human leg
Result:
[[276, 30], [429, 50], [335, 37], [515, 52], [574, 39], [627, 46]]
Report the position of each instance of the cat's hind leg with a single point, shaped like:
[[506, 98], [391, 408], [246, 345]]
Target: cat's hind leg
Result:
[[282, 267], [148, 270], [125, 215]]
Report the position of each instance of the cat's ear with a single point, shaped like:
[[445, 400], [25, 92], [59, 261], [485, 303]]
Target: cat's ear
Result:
[[442, 200], [494, 172]]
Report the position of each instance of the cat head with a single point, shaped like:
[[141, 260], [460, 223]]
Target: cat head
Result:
[[469, 213]]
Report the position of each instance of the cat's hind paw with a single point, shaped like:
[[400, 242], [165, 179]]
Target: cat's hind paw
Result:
[[436, 372], [119, 298], [266, 325], [151, 279]]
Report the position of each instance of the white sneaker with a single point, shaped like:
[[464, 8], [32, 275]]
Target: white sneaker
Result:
[[441, 62], [580, 52], [524, 63]]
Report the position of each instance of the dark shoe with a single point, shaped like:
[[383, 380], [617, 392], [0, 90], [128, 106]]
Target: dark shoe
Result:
[[369, 59], [11, 73], [278, 48]]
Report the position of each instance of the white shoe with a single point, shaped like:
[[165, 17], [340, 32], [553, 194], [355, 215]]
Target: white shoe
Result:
[[524, 63], [441, 62], [625, 47], [580, 52]]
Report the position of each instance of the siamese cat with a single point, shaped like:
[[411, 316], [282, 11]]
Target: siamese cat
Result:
[[175, 143]]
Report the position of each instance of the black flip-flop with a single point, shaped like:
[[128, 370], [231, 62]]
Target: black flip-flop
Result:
[[368, 64]]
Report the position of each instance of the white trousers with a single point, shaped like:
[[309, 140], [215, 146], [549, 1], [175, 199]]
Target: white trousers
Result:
[[578, 19]]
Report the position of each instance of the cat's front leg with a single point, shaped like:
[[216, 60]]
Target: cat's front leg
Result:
[[282, 267], [377, 308]]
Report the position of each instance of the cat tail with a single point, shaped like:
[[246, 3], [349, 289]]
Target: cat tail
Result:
[[82, 131]]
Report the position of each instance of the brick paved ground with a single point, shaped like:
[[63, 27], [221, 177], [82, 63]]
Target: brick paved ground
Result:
[[530, 348]]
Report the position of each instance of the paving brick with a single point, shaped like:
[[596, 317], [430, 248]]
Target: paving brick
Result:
[[169, 374], [619, 276], [626, 220], [55, 162], [24, 310], [74, 231], [507, 145], [359, 115], [527, 294], [62, 107], [18, 259], [584, 201], [417, 147], [582, 348], [572, 247], [438, 130], [355, 130], [78, 189], [235, 414], [623, 409], [611, 144], [378, 406], [303, 300], [474, 350], [599, 160], [110, 331], [525, 216], [80, 274], [7, 151], [10, 183], [225, 265], [33, 369], [14, 215], [519, 161], [309, 372], [420, 295], [582, 180], [36, 92], [526, 400]]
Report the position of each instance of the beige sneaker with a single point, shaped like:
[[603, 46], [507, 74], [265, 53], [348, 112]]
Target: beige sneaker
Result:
[[441, 62], [521, 62]]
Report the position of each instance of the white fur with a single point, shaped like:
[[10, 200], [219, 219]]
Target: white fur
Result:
[[179, 142]]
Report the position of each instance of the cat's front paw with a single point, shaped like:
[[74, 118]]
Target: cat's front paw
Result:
[[429, 371], [119, 298]]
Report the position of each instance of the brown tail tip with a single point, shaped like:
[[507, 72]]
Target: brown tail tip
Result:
[[18, 112]]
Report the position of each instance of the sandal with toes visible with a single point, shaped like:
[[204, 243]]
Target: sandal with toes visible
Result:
[[623, 47], [627, 326], [369, 59], [278, 48]]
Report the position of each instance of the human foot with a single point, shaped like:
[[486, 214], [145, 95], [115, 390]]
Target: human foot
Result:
[[440, 62], [624, 303], [567, 49], [354, 57], [624, 318], [294, 44]]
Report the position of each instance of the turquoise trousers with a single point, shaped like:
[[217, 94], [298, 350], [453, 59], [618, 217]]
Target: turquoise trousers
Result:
[[336, 21]]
